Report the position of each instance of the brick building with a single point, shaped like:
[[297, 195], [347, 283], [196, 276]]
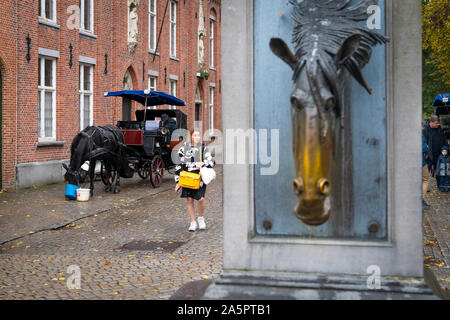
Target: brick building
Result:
[[58, 57]]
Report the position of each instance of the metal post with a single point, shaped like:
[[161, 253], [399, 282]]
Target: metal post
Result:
[[160, 30]]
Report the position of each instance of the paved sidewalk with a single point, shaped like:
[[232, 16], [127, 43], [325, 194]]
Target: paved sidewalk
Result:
[[436, 228], [41, 208]]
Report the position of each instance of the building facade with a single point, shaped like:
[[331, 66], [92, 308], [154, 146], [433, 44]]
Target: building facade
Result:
[[58, 57]]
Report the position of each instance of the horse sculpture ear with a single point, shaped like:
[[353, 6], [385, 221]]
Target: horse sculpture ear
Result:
[[282, 51], [65, 167], [346, 51], [348, 48]]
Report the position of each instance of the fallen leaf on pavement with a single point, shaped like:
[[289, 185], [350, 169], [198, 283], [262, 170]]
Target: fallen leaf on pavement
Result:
[[438, 264], [431, 243]]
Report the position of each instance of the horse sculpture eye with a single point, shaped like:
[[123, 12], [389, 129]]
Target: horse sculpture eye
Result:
[[330, 104], [296, 102]]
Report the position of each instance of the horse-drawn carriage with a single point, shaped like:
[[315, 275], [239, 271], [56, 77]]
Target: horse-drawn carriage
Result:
[[143, 145], [442, 109], [148, 139]]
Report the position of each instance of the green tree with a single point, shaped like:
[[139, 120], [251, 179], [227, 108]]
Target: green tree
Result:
[[436, 50]]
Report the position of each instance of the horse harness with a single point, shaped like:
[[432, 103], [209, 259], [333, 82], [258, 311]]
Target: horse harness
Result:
[[105, 140]]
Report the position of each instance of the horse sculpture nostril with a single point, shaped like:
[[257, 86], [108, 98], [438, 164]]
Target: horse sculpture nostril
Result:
[[324, 186], [298, 186]]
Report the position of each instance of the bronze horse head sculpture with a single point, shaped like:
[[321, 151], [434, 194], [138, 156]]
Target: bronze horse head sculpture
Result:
[[330, 44]]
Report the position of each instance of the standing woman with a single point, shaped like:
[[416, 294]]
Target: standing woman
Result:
[[194, 155]]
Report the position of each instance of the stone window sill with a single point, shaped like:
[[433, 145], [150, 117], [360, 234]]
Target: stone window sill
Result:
[[41, 144], [174, 59], [88, 34], [48, 23]]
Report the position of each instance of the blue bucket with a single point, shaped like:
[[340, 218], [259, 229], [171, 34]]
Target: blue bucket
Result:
[[71, 191]]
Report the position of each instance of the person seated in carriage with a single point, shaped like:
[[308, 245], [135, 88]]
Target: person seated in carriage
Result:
[[169, 123]]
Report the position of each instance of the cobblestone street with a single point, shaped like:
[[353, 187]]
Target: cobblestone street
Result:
[[138, 249], [436, 226]]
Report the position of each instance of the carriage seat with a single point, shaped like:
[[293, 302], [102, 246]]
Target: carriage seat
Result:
[[152, 126], [135, 125]]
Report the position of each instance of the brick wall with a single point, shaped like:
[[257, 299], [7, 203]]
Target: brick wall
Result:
[[8, 69], [20, 76]]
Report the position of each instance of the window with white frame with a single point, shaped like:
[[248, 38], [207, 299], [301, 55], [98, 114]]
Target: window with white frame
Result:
[[152, 85], [152, 25], [173, 90], [211, 110], [47, 10], [86, 89], [211, 41], [87, 15], [47, 99], [173, 28]]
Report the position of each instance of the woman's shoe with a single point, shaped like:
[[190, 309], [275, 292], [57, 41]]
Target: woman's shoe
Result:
[[193, 226], [201, 223]]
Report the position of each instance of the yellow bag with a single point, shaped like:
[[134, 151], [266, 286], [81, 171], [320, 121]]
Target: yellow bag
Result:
[[189, 180]]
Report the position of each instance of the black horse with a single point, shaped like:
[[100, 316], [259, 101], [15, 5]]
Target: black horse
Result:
[[98, 143]]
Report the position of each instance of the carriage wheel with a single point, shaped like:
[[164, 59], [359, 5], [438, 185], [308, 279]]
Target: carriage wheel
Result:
[[108, 176], [144, 170], [157, 171]]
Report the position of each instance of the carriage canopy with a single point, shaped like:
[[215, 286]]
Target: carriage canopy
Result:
[[147, 97], [442, 104]]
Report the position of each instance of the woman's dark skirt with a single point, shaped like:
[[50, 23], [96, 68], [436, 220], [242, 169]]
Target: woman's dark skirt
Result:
[[192, 193]]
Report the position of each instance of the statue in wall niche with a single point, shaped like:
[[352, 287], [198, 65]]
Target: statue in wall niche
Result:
[[330, 43], [127, 81], [132, 24], [201, 52], [201, 35]]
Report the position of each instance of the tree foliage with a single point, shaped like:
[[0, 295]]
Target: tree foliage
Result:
[[436, 49]]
